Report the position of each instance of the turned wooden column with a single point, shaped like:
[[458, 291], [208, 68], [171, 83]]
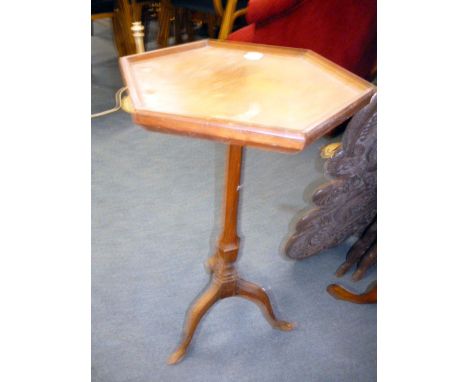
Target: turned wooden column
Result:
[[228, 244]]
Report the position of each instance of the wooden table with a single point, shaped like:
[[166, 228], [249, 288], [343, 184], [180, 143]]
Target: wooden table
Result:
[[241, 94]]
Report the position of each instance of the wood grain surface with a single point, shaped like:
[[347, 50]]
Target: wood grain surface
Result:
[[242, 93]]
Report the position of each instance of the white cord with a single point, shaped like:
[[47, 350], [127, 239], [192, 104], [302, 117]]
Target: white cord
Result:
[[118, 104]]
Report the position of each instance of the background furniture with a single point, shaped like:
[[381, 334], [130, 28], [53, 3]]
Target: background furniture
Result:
[[347, 204], [363, 253], [344, 31], [181, 11], [122, 13], [341, 293], [149, 12]]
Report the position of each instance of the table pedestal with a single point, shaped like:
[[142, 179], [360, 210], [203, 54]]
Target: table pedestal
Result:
[[225, 281]]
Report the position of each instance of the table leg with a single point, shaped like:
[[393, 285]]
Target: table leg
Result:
[[225, 281]]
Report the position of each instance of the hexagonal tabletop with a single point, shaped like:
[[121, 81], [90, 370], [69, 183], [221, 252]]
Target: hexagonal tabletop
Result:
[[271, 97]]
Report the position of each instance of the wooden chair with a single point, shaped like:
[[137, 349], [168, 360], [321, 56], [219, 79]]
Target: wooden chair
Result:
[[122, 13], [138, 36], [180, 11]]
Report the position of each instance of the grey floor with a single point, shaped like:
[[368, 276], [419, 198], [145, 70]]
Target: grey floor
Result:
[[155, 215]]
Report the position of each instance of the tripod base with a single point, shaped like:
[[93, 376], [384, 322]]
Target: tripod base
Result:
[[225, 282]]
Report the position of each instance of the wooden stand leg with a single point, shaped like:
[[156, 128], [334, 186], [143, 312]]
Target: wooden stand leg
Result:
[[194, 315], [225, 281], [257, 294]]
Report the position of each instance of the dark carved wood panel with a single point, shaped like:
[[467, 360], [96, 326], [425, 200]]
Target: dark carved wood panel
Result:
[[347, 204], [363, 253]]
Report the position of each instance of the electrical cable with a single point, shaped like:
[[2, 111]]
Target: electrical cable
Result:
[[117, 107]]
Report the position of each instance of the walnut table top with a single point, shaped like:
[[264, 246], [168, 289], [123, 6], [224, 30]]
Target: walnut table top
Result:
[[240, 93]]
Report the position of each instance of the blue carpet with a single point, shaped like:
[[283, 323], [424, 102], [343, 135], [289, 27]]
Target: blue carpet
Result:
[[155, 217]]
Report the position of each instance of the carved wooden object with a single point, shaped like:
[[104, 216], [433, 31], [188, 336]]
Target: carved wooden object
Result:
[[347, 204], [341, 293], [363, 253]]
